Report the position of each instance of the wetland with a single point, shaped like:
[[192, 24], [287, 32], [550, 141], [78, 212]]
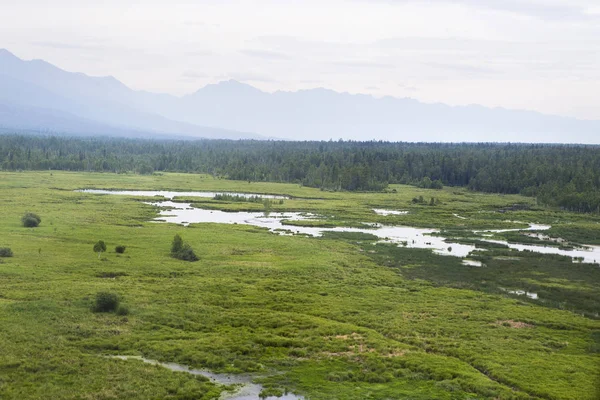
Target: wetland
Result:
[[327, 295]]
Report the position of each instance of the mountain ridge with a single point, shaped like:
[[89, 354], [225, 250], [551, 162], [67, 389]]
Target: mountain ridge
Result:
[[107, 103], [231, 107]]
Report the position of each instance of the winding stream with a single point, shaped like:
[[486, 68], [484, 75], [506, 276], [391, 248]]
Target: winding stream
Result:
[[246, 390], [420, 238]]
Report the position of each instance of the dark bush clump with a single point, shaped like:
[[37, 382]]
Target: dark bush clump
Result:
[[31, 220], [177, 245], [187, 254], [120, 249], [182, 251], [5, 252], [106, 302]]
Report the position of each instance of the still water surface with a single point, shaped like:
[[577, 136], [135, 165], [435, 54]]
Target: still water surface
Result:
[[185, 214], [245, 391]]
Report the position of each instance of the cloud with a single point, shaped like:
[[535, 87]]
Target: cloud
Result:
[[463, 68], [493, 58], [441, 43], [559, 10], [200, 23], [193, 75], [534, 8], [250, 76], [407, 88], [311, 81], [67, 46], [265, 54], [201, 53], [362, 64]]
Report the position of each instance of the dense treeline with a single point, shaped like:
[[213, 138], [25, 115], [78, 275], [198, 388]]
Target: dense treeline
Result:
[[561, 175]]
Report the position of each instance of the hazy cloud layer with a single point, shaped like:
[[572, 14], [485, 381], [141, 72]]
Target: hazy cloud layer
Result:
[[545, 9], [265, 54], [533, 54]]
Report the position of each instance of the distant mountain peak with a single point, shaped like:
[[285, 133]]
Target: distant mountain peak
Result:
[[233, 105], [7, 55], [232, 83], [228, 87]]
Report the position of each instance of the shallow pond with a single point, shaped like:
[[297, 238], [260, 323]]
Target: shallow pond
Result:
[[421, 238], [531, 295], [185, 214], [171, 195], [385, 213], [246, 390], [472, 263], [589, 254]]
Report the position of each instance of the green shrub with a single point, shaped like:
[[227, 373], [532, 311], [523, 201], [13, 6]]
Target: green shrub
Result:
[[100, 247], [120, 249], [5, 252], [177, 245], [31, 220], [182, 251], [106, 302], [187, 254]]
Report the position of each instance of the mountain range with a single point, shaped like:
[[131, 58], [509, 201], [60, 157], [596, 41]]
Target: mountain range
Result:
[[38, 96]]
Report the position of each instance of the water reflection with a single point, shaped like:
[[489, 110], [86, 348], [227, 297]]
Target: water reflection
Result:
[[171, 195], [420, 238], [185, 214], [385, 213]]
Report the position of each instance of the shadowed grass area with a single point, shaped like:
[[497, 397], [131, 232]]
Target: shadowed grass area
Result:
[[330, 318]]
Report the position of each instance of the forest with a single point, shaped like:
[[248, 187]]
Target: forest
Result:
[[566, 176]]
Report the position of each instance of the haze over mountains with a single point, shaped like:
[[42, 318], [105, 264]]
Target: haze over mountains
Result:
[[35, 95]]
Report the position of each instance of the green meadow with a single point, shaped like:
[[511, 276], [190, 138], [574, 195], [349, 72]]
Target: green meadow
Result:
[[335, 317]]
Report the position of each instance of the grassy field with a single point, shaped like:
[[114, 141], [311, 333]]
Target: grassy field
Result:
[[336, 317]]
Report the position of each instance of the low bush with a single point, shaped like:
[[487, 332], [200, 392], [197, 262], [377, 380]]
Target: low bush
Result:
[[182, 251], [31, 220], [120, 249], [5, 252], [186, 254], [106, 302]]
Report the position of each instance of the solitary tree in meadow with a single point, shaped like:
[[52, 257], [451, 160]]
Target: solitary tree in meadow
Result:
[[177, 244], [181, 250], [100, 247], [268, 204]]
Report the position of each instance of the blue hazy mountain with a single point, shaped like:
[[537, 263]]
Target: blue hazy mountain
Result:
[[325, 114], [225, 109], [46, 98]]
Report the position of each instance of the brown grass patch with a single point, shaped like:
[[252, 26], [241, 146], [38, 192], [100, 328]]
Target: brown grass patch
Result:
[[509, 323]]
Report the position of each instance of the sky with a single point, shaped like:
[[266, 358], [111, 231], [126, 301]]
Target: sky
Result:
[[541, 55]]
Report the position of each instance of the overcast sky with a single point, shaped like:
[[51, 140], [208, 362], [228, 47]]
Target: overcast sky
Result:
[[528, 54]]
